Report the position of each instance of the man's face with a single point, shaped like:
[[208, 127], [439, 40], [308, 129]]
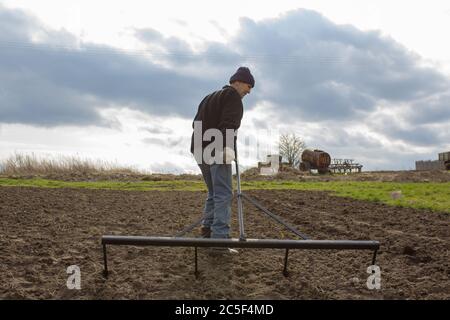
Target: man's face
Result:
[[243, 88]]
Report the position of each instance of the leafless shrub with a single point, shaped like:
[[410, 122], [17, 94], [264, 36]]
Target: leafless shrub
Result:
[[290, 148], [31, 164]]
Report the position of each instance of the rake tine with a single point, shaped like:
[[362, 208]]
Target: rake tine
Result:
[[196, 264], [374, 258], [285, 272], [105, 261]]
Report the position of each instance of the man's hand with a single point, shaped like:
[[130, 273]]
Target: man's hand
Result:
[[229, 155]]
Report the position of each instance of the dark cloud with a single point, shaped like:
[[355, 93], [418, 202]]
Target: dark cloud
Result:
[[305, 65], [215, 63], [15, 25], [320, 70], [434, 109], [95, 77], [51, 85], [419, 135], [311, 68], [396, 127], [27, 98], [170, 45]]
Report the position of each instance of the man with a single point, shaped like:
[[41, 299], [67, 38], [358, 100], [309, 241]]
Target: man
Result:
[[221, 110]]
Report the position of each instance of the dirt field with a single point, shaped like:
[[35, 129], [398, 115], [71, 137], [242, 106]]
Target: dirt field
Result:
[[43, 231]]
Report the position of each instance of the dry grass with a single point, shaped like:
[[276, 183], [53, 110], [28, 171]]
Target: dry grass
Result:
[[31, 164]]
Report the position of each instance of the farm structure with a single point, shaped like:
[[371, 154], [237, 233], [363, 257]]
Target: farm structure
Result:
[[315, 159], [344, 166], [443, 163]]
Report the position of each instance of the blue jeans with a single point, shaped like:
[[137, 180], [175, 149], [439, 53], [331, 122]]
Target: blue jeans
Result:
[[217, 211]]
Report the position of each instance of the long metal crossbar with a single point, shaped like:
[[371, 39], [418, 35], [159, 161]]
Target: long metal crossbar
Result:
[[242, 242]]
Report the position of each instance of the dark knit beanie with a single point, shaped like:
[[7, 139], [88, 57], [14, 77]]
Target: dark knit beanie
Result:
[[243, 74]]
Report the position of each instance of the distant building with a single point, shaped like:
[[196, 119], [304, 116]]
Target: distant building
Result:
[[271, 166], [430, 165], [442, 164]]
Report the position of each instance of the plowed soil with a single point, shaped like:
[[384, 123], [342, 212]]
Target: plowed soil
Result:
[[43, 231]]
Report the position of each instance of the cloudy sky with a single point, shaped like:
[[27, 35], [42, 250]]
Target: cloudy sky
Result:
[[121, 82]]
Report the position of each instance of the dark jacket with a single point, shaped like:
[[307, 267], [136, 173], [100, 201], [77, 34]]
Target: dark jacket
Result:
[[221, 110]]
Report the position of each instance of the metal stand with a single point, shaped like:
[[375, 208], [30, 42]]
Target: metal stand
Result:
[[239, 198], [179, 241]]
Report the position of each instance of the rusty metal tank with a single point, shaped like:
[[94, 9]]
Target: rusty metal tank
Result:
[[318, 159]]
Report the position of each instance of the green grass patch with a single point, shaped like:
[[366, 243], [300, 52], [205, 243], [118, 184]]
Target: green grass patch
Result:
[[420, 195], [163, 185], [426, 195]]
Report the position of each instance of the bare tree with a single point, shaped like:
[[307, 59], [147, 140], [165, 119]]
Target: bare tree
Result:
[[291, 147]]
